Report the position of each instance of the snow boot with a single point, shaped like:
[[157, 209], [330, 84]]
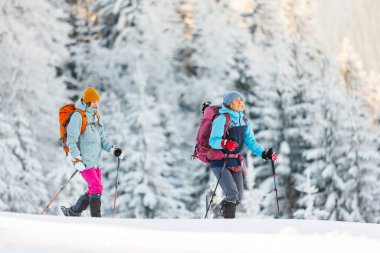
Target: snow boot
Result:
[[95, 204], [68, 212], [77, 209], [229, 209]]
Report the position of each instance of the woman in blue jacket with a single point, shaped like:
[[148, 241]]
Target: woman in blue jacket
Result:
[[86, 151], [239, 133]]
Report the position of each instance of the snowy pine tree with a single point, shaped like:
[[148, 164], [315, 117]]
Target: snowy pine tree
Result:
[[155, 63], [360, 182], [31, 50], [264, 94], [132, 48]]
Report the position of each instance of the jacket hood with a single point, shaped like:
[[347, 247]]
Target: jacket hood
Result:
[[90, 112], [80, 105]]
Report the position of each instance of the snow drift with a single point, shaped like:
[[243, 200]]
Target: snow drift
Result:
[[34, 233]]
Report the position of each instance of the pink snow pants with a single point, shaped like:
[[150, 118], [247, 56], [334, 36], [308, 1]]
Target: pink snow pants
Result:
[[93, 177]]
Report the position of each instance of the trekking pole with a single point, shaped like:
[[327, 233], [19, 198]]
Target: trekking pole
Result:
[[60, 190], [213, 194], [275, 184], [116, 187]]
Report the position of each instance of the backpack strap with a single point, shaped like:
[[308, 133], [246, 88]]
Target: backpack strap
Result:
[[227, 125], [245, 119], [84, 120]]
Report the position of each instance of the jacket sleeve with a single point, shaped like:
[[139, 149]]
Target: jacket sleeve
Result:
[[217, 132], [106, 145], [250, 141], [73, 133]]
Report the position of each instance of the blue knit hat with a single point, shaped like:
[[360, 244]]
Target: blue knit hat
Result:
[[231, 96]]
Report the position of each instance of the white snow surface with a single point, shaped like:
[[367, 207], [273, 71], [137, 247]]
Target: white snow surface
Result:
[[49, 234]]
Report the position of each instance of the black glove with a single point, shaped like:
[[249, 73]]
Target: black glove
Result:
[[117, 152], [267, 154]]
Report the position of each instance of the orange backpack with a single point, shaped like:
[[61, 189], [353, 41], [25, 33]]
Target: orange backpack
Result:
[[65, 113]]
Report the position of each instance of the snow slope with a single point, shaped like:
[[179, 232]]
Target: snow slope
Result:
[[47, 234]]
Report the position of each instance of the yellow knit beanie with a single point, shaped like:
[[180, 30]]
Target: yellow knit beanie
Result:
[[90, 94]]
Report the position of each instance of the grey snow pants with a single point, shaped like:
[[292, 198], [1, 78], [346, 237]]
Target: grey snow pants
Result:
[[231, 183]]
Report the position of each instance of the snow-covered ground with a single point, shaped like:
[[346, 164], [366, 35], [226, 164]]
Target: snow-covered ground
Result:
[[49, 234]]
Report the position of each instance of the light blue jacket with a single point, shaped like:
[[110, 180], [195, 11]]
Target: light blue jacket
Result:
[[217, 131], [90, 144]]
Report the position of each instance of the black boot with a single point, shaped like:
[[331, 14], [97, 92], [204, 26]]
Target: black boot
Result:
[[229, 209], [77, 209], [95, 204]]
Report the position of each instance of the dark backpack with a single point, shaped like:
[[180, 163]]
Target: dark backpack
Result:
[[202, 147]]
